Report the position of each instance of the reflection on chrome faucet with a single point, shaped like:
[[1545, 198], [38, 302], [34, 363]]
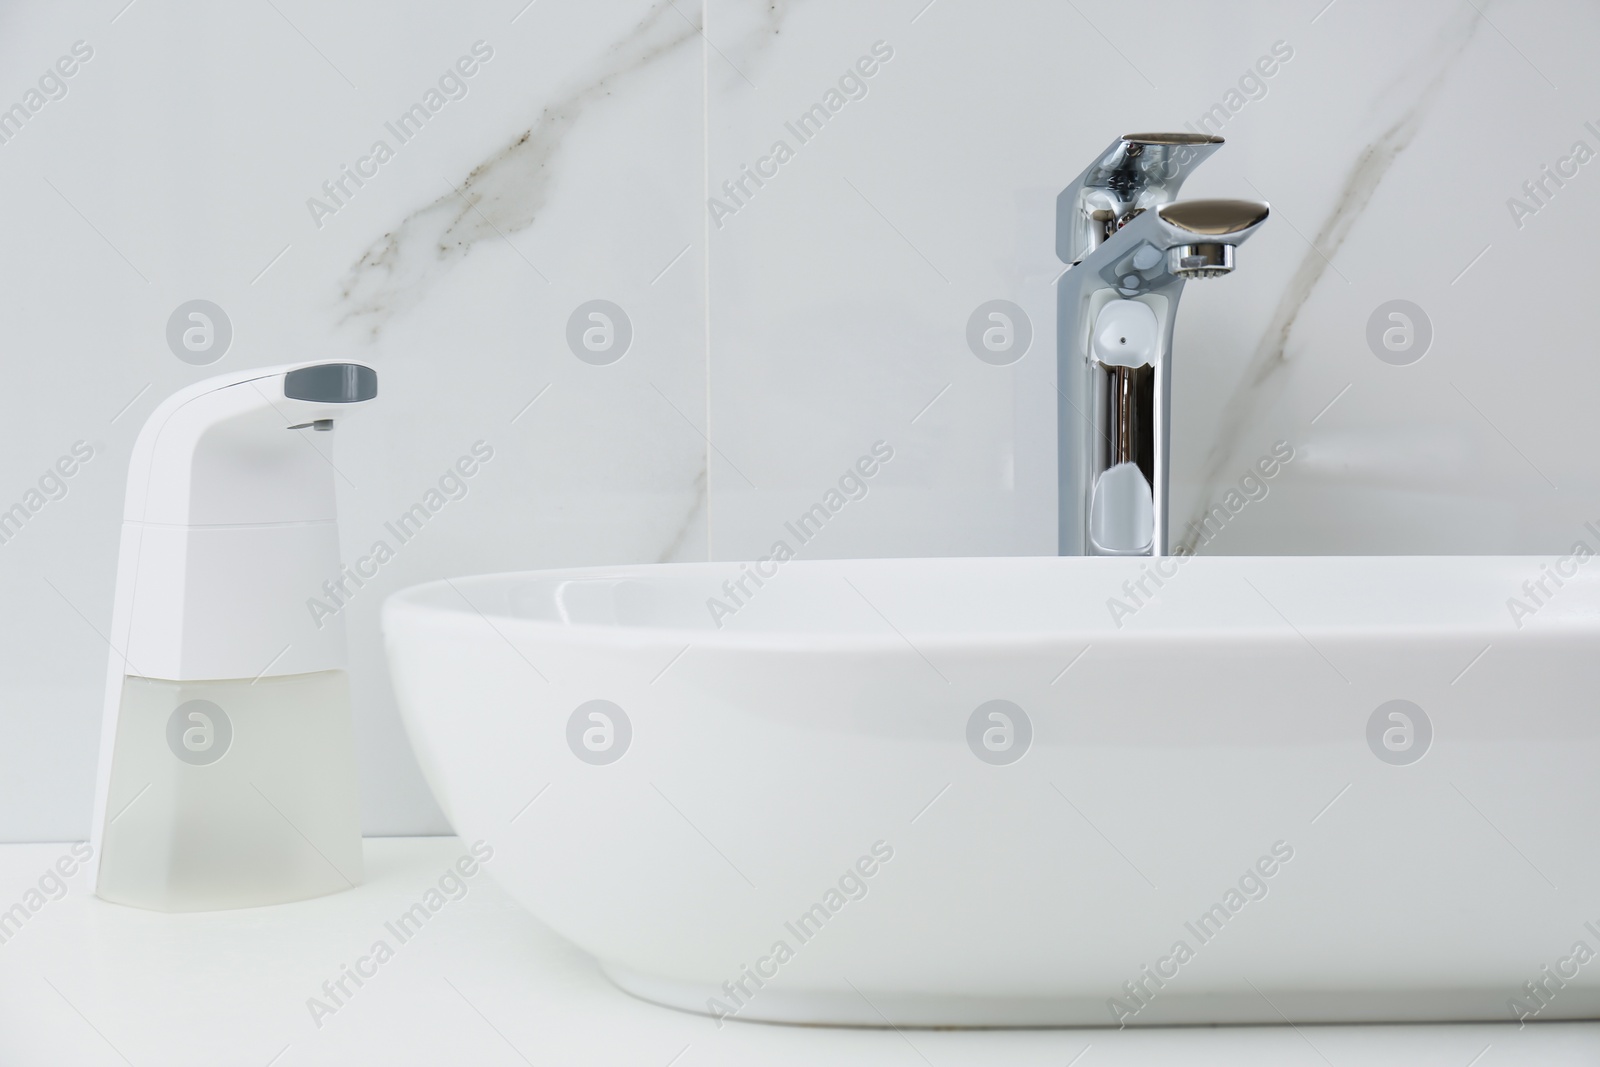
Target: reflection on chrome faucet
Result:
[[1131, 246]]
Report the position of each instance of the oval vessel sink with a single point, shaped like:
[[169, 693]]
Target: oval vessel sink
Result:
[[1035, 791]]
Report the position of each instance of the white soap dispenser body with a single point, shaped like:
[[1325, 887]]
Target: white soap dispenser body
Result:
[[227, 765]]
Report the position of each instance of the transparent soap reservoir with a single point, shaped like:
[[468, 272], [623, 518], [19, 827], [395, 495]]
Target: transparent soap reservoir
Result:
[[231, 794]]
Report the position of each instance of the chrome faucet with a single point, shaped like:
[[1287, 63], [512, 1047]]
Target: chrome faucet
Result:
[[1130, 246]]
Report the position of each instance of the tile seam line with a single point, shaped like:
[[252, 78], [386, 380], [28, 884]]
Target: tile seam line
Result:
[[705, 185]]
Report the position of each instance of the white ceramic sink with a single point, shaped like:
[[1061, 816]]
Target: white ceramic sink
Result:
[[1224, 754]]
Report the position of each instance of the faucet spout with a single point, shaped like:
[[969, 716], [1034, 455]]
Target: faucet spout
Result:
[[1133, 246], [1156, 248]]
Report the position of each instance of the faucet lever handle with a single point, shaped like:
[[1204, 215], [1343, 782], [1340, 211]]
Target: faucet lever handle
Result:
[[1138, 170]]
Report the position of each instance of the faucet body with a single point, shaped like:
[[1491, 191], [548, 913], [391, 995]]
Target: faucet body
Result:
[[1130, 246]]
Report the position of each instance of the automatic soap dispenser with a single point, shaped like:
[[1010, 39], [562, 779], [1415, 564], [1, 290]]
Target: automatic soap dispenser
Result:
[[227, 767]]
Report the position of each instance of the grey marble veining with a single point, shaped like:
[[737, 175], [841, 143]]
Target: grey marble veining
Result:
[[1264, 377], [698, 507], [755, 30], [503, 194]]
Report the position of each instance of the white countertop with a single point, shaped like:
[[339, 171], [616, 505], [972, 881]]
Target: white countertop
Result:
[[482, 982]]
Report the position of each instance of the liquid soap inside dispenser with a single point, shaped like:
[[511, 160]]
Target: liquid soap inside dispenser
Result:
[[227, 773], [231, 793]]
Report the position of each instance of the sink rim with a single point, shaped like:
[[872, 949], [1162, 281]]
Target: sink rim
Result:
[[449, 598]]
